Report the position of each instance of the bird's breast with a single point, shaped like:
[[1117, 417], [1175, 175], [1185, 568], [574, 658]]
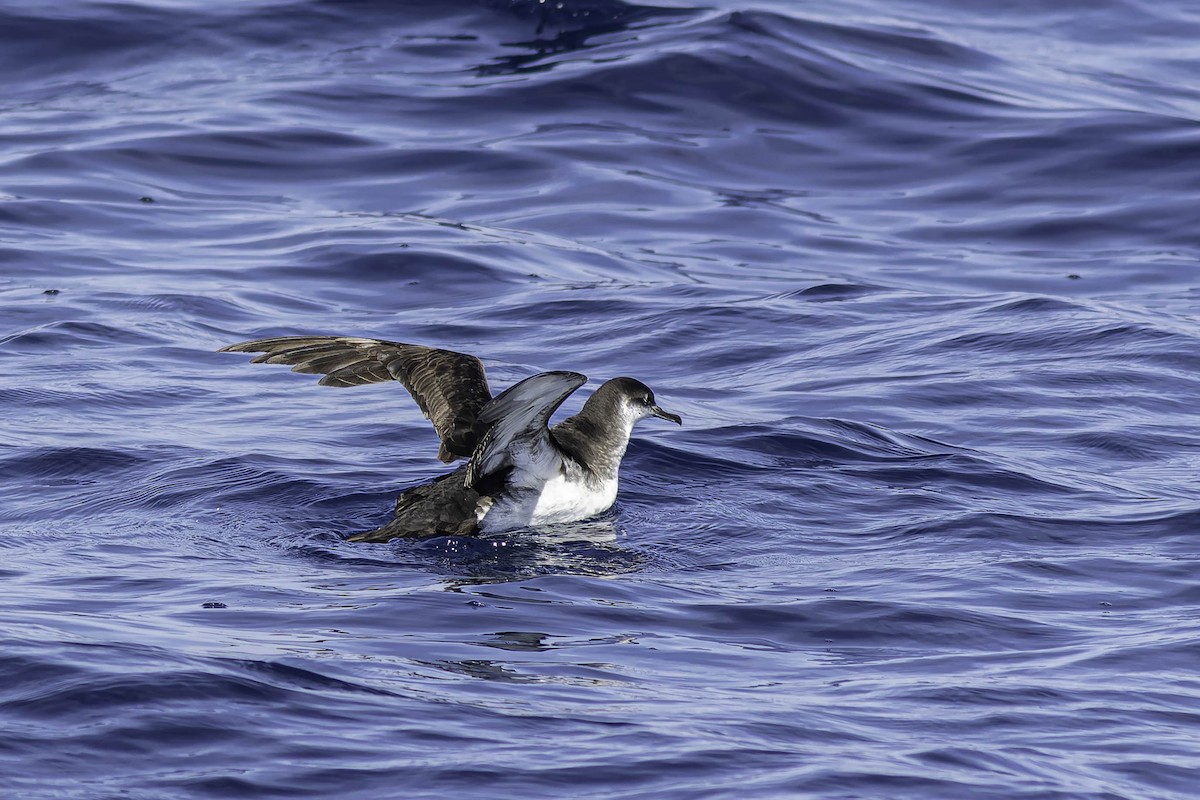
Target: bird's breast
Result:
[[566, 500], [558, 500]]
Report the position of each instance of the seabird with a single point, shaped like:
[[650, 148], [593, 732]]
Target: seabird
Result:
[[519, 472]]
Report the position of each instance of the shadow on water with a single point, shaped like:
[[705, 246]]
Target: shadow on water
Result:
[[567, 27], [591, 548], [583, 16]]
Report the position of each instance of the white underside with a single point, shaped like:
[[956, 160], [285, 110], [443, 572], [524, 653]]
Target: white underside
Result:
[[559, 500]]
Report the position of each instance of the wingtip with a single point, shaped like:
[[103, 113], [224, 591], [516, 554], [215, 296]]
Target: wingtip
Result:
[[239, 347], [567, 374]]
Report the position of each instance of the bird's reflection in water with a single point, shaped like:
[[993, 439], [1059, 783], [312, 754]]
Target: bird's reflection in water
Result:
[[593, 548], [601, 532], [525, 641], [562, 28], [588, 548], [531, 669]]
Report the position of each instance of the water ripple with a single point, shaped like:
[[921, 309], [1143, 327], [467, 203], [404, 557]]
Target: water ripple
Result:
[[918, 279]]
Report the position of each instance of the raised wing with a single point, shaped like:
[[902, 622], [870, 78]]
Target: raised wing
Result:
[[516, 421], [450, 388]]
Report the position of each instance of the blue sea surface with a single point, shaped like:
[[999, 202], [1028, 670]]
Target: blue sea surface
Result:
[[920, 276]]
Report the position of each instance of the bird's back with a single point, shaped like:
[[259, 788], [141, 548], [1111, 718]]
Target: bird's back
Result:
[[443, 507]]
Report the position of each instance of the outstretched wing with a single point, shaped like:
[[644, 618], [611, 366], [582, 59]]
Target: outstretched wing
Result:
[[450, 387], [516, 421]]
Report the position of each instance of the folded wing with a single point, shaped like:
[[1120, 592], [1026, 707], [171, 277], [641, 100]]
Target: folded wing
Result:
[[515, 422], [450, 388]]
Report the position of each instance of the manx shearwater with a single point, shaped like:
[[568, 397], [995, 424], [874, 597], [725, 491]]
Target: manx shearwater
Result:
[[519, 471]]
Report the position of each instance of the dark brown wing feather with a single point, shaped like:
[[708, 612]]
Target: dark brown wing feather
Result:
[[449, 387]]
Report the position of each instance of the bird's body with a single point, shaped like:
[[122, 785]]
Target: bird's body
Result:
[[519, 471]]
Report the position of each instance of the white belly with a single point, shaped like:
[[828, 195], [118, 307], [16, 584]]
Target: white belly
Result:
[[563, 501], [559, 500]]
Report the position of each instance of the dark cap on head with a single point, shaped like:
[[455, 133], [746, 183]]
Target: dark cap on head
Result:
[[640, 394]]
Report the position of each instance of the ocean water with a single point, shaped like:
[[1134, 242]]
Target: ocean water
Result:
[[920, 276]]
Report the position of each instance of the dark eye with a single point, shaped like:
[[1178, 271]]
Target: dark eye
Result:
[[647, 400]]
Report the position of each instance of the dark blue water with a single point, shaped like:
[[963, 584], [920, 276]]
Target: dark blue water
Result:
[[922, 281]]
